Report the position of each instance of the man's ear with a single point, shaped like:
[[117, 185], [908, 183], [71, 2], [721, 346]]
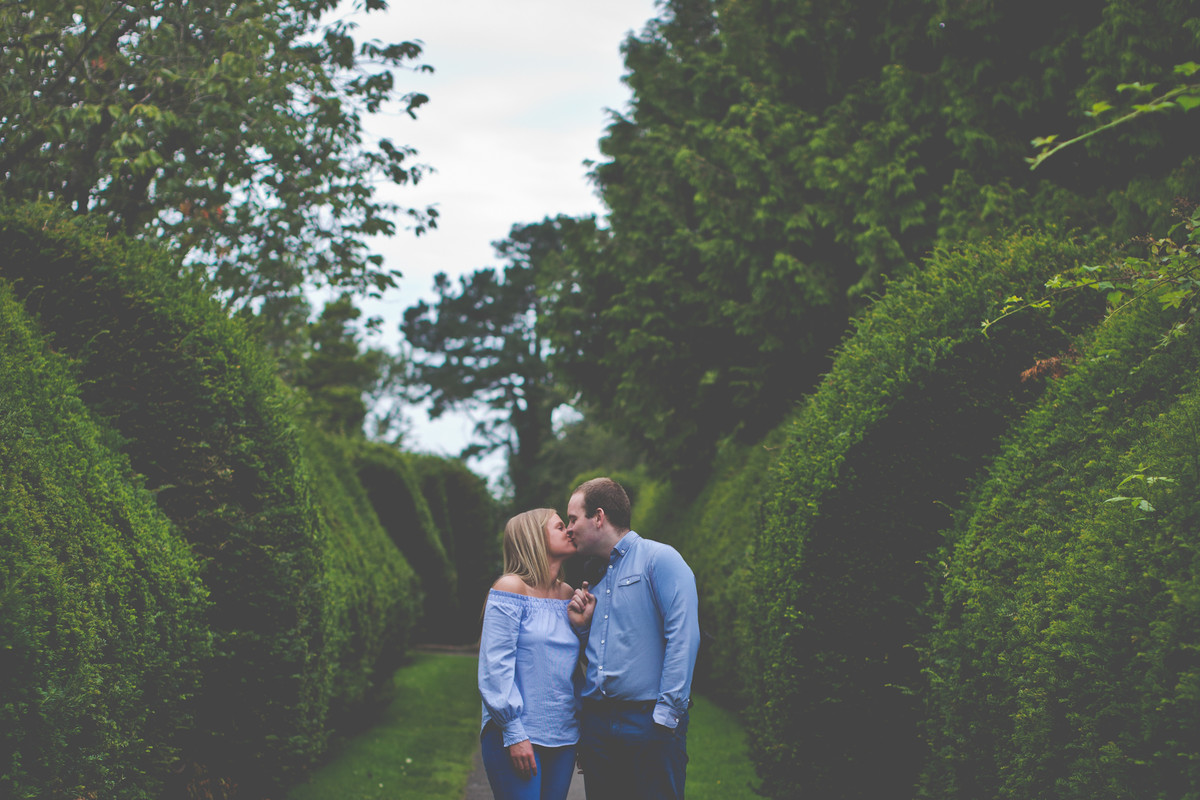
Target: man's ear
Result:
[[600, 517]]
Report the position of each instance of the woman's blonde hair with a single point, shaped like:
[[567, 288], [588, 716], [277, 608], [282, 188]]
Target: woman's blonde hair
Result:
[[525, 547]]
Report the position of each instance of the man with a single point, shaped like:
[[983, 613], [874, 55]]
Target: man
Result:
[[641, 652]]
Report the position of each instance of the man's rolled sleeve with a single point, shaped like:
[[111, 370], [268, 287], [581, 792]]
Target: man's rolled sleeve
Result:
[[675, 588]]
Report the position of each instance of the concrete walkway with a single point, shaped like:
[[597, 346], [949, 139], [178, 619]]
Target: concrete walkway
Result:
[[478, 789]]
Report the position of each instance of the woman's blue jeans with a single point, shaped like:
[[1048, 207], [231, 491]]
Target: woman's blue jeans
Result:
[[554, 768], [625, 756]]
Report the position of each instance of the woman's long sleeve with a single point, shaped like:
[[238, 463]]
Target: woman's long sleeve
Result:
[[498, 667]]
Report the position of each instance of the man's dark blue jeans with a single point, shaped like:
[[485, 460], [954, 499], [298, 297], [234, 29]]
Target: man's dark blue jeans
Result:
[[625, 756]]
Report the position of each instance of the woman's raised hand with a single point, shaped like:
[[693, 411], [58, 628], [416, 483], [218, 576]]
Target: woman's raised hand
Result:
[[581, 607]]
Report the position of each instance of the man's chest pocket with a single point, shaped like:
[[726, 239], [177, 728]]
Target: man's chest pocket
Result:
[[632, 596]]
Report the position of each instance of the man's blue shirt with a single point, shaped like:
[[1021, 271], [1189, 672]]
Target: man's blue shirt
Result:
[[645, 633]]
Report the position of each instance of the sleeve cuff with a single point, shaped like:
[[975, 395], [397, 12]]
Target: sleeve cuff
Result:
[[666, 716], [514, 732]]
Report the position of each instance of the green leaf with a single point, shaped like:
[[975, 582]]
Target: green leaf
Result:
[[1174, 299], [1136, 86], [1188, 101]]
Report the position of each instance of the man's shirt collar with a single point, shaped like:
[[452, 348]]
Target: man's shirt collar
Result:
[[622, 546]]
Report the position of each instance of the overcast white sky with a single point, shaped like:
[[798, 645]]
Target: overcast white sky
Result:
[[517, 104]]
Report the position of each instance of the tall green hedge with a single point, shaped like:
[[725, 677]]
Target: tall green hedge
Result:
[[394, 491], [875, 462], [468, 518], [203, 416], [373, 601], [1065, 656], [102, 628], [713, 533]]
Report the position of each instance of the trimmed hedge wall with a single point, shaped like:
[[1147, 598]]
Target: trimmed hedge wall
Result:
[[206, 421], [713, 534], [875, 463], [1065, 657], [394, 491], [374, 598], [469, 520], [203, 416], [102, 630]]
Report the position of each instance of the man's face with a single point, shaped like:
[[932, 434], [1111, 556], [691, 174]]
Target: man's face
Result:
[[584, 532]]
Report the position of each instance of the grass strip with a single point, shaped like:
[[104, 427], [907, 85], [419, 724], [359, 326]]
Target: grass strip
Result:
[[422, 746], [719, 765]]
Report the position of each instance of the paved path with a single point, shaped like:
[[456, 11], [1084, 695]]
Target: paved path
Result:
[[478, 789]]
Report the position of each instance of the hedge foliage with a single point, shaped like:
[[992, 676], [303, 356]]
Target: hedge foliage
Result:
[[1064, 659], [102, 629], [470, 523], [302, 582], [206, 421], [374, 594], [393, 489], [875, 462], [713, 532]]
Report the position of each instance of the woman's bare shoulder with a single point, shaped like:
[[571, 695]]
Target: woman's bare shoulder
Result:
[[510, 583], [565, 592]]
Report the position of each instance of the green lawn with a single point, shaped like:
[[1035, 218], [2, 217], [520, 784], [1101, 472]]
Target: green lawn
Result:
[[422, 747], [719, 767], [424, 744]]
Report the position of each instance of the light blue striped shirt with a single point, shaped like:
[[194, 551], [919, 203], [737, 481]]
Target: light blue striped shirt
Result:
[[527, 658], [645, 633]]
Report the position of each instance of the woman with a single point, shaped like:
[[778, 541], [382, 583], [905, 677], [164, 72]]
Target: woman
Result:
[[527, 658]]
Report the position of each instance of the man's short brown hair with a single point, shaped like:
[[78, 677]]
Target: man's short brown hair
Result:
[[607, 494]]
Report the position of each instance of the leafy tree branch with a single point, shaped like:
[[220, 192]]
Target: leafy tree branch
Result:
[[231, 131], [1185, 97]]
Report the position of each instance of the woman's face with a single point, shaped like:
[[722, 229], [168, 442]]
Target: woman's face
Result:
[[557, 541]]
